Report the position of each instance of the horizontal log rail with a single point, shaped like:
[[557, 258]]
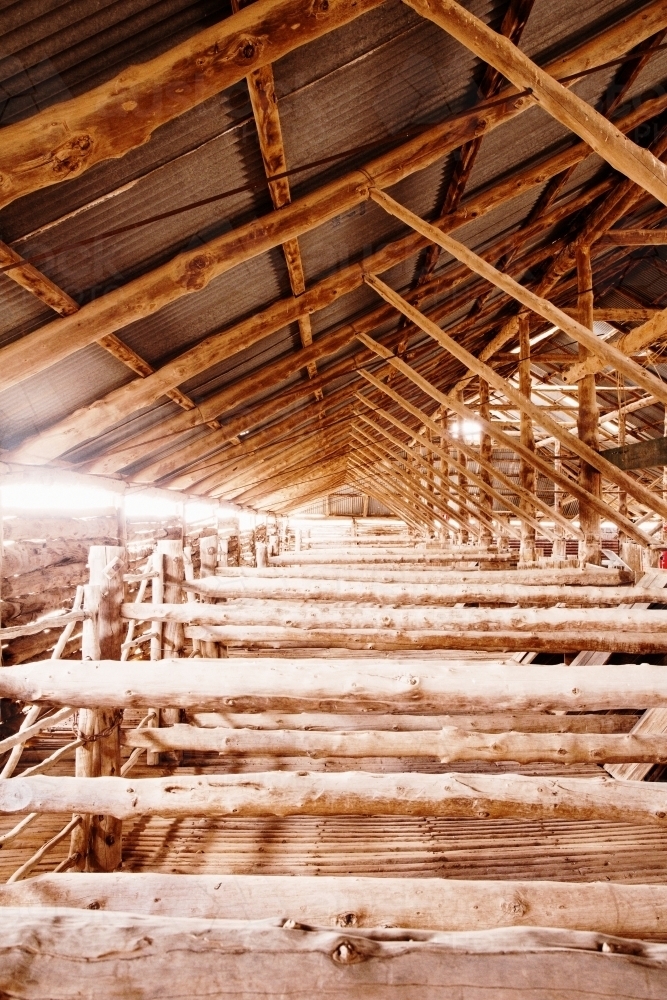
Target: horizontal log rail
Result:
[[635, 911], [353, 793], [33, 628], [74, 950], [322, 615], [293, 588], [449, 745], [17, 739], [591, 576], [411, 685], [538, 640], [492, 722]]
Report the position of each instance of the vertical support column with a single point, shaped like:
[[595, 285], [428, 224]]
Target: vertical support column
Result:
[[97, 841], [664, 486], [486, 454], [173, 640], [157, 597], [208, 553], [462, 480], [526, 471], [590, 550], [559, 550], [622, 495]]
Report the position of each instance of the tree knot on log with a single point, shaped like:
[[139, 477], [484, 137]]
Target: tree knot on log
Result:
[[117, 720]]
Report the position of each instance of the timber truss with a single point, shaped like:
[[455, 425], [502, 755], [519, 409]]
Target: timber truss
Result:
[[466, 363]]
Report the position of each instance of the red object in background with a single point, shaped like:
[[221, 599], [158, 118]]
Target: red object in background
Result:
[[663, 560]]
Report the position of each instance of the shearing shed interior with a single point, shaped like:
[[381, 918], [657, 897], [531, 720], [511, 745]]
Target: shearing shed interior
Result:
[[333, 482]]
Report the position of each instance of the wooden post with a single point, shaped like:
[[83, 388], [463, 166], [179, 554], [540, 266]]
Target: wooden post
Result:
[[173, 638], [559, 549], [486, 454], [462, 480], [589, 519], [622, 494], [208, 552], [526, 471], [97, 841], [157, 597]]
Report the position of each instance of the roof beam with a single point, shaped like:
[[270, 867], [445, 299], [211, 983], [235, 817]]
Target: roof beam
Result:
[[192, 270], [605, 139], [450, 400], [62, 142]]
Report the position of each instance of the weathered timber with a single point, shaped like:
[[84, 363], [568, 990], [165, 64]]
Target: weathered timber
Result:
[[350, 793], [50, 528], [96, 841], [634, 162], [380, 557], [24, 556], [333, 615], [449, 745], [634, 238], [87, 421], [122, 113], [397, 685], [292, 588], [495, 722], [193, 270], [543, 307], [652, 331], [557, 477], [538, 640], [342, 902], [143, 955], [643, 455]]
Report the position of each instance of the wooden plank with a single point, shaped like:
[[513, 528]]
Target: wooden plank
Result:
[[642, 455], [407, 685], [193, 270], [140, 955], [633, 161], [350, 793], [449, 745], [121, 114], [340, 902]]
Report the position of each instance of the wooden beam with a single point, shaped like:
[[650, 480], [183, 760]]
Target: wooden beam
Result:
[[634, 237], [74, 950], [431, 593], [449, 745], [121, 114], [638, 490], [643, 455], [410, 685], [119, 403], [485, 463], [446, 459], [352, 793], [191, 271], [632, 911], [633, 161], [604, 350], [591, 576], [650, 332]]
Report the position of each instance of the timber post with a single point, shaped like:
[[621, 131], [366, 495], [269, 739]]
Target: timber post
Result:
[[527, 553], [208, 557], [173, 639], [486, 455], [96, 842], [587, 427]]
